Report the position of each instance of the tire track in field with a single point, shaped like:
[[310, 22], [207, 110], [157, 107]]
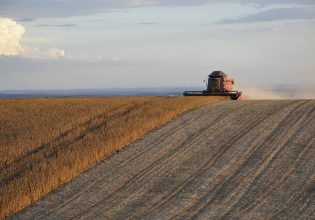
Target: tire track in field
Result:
[[66, 139], [155, 162], [199, 133], [88, 187], [217, 156], [210, 162], [282, 176], [249, 159], [99, 204], [63, 135], [265, 163]]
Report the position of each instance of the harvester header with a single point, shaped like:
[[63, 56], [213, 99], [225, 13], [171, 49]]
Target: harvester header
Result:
[[218, 84]]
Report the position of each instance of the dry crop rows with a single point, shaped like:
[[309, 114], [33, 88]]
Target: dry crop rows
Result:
[[46, 142]]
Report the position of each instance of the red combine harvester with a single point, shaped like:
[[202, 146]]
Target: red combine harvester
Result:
[[219, 84]]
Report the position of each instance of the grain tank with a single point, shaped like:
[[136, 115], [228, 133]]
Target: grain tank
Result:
[[218, 84]]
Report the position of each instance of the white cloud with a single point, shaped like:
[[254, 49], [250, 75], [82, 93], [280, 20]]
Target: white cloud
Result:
[[55, 53], [10, 45], [36, 53], [10, 36]]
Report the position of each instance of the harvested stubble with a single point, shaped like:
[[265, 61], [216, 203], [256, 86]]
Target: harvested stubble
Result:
[[46, 142]]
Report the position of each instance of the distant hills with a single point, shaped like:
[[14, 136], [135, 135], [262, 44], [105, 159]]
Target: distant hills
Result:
[[251, 93], [159, 91]]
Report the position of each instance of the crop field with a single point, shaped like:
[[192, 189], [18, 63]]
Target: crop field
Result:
[[46, 142], [228, 160]]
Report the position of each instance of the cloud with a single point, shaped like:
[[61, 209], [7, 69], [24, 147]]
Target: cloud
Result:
[[32, 9], [25, 19], [10, 36], [10, 45], [294, 13], [36, 53], [55, 53], [56, 25]]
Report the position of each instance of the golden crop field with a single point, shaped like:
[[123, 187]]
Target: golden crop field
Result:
[[46, 142]]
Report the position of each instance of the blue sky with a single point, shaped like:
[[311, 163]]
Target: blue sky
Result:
[[81, 44]]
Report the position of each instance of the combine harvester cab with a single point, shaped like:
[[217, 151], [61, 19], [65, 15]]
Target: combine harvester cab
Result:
[[218, 84]]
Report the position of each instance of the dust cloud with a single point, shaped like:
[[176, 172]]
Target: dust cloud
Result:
[[278, 93]]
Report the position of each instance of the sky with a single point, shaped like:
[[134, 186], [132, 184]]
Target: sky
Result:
[[96, 44]]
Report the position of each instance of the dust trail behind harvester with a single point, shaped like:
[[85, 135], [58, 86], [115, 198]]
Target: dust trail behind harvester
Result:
[[251, 93]]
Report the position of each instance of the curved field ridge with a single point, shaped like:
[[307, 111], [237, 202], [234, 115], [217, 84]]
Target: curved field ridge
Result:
[[249, 159]]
